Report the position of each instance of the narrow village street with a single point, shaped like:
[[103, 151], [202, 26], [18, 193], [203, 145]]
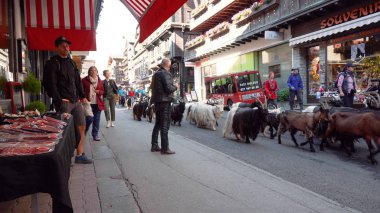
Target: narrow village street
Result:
[[211, 174]]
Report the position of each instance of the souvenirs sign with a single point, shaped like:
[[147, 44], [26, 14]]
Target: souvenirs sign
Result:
[[351, 15]]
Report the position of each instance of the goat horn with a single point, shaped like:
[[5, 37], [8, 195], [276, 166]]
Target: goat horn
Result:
[[261, 103]]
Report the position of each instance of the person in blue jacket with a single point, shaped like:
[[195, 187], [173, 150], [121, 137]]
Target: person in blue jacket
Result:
[[295, 88]]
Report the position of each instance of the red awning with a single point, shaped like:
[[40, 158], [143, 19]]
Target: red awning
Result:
[[3, 24], [152, 13], [48, 19]]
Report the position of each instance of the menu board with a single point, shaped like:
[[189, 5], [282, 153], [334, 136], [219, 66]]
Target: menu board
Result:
[[194, 95]]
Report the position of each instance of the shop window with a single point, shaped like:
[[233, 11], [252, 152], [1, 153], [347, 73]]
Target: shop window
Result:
[[313, 70], [364, 52], [5, 72], [276, 69]]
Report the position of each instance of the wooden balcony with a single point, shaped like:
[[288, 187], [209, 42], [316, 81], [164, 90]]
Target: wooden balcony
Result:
[[217, 13], [277, 15]]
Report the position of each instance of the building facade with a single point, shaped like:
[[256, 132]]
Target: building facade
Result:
[[118, 70], [348, 32], [166, 42], [235, 36]]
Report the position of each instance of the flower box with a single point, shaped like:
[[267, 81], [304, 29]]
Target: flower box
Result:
[[245, 16], [240, 17], [219, 30], [199, 10], [195, 42]]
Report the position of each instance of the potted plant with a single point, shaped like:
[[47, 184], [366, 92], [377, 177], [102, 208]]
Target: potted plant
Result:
[[36, 105], [195, 42], [32, 85], [257, 5]]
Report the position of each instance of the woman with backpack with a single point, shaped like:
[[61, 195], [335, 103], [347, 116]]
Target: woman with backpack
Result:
[[346, 84]]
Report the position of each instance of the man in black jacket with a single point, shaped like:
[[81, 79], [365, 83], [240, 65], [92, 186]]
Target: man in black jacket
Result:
[[63, 84], [162, 95]]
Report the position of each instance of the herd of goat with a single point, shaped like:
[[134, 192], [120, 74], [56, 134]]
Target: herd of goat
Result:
[[328, 122]]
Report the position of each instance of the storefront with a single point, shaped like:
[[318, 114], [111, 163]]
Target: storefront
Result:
[[277, 59], [322, 47]]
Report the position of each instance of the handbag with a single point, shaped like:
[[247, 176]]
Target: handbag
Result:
[[87, 109]]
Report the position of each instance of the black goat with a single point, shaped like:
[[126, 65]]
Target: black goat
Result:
[[248, 122], [177, 112]]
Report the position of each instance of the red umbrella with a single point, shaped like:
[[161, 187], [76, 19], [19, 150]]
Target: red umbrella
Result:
[[151, 13]]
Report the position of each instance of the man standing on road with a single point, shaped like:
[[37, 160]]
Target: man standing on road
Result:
[[162, 95], [295, 88], [63, 84]]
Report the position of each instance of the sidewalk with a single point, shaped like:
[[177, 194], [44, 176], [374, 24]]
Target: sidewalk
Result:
[[199, 179]]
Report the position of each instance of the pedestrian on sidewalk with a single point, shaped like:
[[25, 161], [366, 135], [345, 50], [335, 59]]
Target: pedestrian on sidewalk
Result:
[[93, 89], [121, 93], [295, 88], [63, 84], [162, 95], [271, 89], [110, 92], [347, 85], [132, 97]]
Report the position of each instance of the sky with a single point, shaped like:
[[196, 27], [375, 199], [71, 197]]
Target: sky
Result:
[[116, 24]]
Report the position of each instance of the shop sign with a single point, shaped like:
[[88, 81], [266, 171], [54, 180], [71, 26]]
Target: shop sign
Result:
[[273, 35], [190, 64], [351, 15]]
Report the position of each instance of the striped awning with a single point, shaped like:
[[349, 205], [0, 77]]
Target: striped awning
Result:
[[151, 13], [3, 24], [48, 19]]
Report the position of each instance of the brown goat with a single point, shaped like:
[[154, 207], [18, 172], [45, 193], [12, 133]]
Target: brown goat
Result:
[[357, 125], [293, 121]]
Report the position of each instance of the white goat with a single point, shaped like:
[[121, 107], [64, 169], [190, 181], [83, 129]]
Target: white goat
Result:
[[191, 112], [227, 128], [204, 115]]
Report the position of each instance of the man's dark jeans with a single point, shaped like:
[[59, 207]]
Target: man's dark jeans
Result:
[[94, 120], [292, 94], [163, 110]]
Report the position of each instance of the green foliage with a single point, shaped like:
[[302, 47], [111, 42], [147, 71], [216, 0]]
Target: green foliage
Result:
[[36, 105], [283, 95], [3, 82], [32, 85]]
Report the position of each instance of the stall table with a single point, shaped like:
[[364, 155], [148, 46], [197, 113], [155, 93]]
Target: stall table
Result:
[[47, 173]]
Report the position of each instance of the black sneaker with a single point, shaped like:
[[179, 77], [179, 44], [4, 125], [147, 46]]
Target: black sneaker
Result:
[[82, 159]]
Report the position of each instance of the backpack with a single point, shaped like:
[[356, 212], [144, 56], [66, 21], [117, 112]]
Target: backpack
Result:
[[337, 79], [46, 82]]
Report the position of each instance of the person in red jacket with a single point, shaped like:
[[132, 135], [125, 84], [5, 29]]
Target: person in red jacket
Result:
[[271, 89], [93, 89]]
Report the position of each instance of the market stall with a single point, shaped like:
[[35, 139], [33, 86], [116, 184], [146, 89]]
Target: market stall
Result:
[[35, 156]]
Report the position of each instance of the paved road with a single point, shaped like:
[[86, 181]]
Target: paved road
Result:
[[353, 182]]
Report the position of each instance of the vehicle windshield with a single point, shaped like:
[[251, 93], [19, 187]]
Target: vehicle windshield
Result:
[[248, 82]]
